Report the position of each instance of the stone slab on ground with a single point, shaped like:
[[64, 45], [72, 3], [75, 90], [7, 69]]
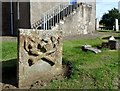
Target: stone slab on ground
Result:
[[90, 48]]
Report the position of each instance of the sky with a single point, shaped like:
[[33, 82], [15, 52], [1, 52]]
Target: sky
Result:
[[102, 6]]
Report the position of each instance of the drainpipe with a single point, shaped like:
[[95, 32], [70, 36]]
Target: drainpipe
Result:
[[18, 10], [11, 16]]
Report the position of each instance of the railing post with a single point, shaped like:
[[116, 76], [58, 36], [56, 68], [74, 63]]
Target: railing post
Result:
[[63, 12], [48, 22], [44, 21], [53, 16], [59, 12], [66, 11], [70, 8], [53, 19], [58, 15]]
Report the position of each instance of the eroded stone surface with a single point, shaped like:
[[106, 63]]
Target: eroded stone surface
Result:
[[40, 55]]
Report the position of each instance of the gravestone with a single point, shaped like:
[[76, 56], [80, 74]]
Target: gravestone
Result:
[[116, 25], [113, 43], [40, 55], [97, 24]]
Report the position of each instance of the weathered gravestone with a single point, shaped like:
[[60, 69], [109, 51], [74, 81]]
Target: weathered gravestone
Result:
[[97, 24], [40, 55], [116, 25], [113, 43]]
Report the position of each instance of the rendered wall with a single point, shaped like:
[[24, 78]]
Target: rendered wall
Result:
[[22, 22], [0, 18], [37, 9], [24, 15], [6, 18]]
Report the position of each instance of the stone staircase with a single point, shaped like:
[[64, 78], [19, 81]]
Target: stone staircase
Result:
[[55, 15]]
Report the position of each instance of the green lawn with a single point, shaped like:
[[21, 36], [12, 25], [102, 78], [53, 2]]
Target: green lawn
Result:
[[9, 50], [89, 70], [111, 31]]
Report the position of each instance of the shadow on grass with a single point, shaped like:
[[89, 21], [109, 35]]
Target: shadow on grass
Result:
[[105, 31], [67, 66], [110, 31], [9, 72]]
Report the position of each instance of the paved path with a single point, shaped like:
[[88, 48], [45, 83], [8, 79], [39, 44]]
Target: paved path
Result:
[[7, 38], [89, 36], [72, 37]]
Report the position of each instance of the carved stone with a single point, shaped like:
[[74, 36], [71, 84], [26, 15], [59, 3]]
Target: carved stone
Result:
[[40, 55]]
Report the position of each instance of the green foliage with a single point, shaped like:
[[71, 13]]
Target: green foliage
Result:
[[108, 19]]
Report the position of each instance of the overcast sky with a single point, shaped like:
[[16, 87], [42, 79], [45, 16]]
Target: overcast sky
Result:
[[102, 6]]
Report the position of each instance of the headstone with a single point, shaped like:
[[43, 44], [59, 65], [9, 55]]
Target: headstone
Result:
[[97, 24], [40, 55], [112, 43], [112, 38], [116, 25]]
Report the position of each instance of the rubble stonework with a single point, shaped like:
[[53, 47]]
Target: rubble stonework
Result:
[[40, 55], [80, 22]]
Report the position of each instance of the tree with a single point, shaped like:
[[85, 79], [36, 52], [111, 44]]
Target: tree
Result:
[[108, 19]]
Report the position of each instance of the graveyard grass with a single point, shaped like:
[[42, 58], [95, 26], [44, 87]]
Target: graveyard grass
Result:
[[9, 50], [89, 70]]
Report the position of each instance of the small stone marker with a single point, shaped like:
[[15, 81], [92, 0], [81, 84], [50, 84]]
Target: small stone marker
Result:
[[116, 25], [97, 24], [40, 55], [112, 38], [112, 43]]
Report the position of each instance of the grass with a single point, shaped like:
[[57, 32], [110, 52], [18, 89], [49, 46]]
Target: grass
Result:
[[111, 31], [8, 50], [89, 70], [105, 30]]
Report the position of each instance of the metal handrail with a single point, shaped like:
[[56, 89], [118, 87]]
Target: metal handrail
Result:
[[50, 14]]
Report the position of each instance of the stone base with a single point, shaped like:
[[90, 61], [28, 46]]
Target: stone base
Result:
[[113, 45]]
